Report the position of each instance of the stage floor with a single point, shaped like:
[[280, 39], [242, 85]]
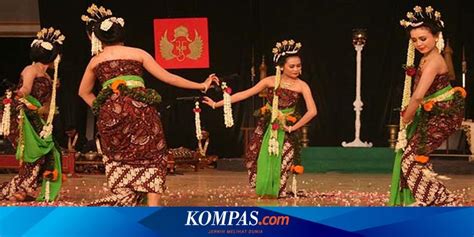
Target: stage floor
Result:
[[210, 187]]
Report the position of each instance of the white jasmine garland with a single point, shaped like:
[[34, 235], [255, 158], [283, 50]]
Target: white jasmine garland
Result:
[[402, 136], [273, 142], [203, 150], [48, 127], [47, 192], [228, 119], [273, 146], [294, 188], [6, 120], [197, 121], [21, 140], [96, 45], [440, 42]]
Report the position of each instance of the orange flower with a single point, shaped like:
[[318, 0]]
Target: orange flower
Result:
[[31, 106], [291, 118], [297, 169], [422, 159], [46, 173], [428, 106], [461, 90], [53, 175], [115, 85], [263, 109]]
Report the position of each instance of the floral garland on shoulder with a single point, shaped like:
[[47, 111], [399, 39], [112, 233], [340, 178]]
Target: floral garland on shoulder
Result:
[[147, 96]]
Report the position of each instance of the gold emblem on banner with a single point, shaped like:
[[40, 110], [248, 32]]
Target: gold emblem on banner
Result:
[[181, 46]]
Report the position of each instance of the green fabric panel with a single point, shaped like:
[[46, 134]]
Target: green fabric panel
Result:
[[34, 148], [125, 78]]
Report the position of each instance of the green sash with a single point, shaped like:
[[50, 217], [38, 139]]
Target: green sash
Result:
[[404, 196], [269, 166], [125, 78], [36, 147]]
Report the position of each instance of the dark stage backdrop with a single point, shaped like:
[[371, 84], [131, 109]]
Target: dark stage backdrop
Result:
[[241, 29]]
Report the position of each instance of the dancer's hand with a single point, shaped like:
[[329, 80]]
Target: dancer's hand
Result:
[[406, 120], [209, 101], [208, 82], [18, 94], [288, 129], [43, 110]]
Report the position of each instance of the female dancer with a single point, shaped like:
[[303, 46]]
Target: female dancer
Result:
[[434, 111], [34, 104], [275, 145], [131, 134]]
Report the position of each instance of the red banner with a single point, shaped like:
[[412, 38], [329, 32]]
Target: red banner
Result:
[[181, 43]]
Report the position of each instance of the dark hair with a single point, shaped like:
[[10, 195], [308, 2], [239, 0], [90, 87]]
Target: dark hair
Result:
[[116, 33], [89, 28], [433, 26], [282, 60], [42, 55]]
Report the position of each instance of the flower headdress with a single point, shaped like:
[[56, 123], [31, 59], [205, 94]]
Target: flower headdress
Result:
[[46, 38], [419, 17], [286, 47], [102, 18], [414, 20], [96, 14]]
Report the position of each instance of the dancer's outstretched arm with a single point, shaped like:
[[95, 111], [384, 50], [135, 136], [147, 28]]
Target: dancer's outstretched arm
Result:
[[159, 72], [311, 109], [242, 95]]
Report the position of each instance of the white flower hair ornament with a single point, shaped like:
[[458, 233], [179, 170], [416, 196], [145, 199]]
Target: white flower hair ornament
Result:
[[107, 23], [47, 37], [286, 47]]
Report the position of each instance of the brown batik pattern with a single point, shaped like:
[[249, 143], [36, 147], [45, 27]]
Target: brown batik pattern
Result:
[[132, 139], [130, 131], [41, 89], [427, 189], [420, 178], [126, 182], [287, 98], [26, 181], [28, 176]]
